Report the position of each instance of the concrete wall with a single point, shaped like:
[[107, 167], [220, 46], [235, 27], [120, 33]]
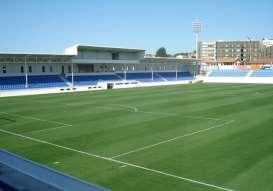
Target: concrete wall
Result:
[[240, 80], [15, 68], [108, 55], [101, 61]]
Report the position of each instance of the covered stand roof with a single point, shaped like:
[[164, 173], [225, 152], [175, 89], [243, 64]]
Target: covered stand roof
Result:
[[73, 50]]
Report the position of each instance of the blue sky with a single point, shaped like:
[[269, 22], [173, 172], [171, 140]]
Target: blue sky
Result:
[[52, 25]]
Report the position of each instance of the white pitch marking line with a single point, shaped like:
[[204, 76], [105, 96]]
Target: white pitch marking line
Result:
[[158, 113], [181, 115], [122, 107], [49, 129], [35, 118], [117, 161], [131, 108], [123, 166], [201, 117], [106, 107], [173, 139], [185, 116], [135, 109]]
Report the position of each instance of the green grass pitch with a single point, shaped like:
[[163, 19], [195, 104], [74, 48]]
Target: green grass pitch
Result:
[[188, 137]]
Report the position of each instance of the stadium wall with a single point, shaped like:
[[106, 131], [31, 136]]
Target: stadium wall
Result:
[[98, 87]]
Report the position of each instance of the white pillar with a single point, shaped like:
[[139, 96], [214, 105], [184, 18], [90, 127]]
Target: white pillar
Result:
[[72, 74], [124, 70], [152, 73], [26, 73], [176, 72]]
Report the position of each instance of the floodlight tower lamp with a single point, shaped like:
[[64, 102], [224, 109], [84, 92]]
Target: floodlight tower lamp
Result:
[[196, 28]]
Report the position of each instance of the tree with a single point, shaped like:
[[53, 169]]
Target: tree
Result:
[[161, 52]]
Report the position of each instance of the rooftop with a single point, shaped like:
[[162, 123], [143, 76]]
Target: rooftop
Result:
[[23, 54], [73, 49]]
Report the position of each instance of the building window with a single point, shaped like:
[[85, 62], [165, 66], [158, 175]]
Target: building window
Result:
[[62, 69], [4, 69], [22, 69], [43, 69], [50, 69], [29, 69], [115, 56], [69, 69]]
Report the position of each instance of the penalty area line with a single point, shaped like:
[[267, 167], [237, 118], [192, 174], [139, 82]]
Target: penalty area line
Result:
[[35, 118], [49, 129], [117, 161], [135, 109], [172, 139]]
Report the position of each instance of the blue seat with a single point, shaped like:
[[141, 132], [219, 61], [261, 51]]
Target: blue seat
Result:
[[34, 81], [140, 76], [229, 73], [262, 73], [12, 82], [92, 79], [46, 81], [157, 76], [171, 76]]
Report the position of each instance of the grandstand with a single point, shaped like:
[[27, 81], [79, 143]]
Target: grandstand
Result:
[[229, 73], [259, 75], [34, 81], [92, 79], [87, 65], [262, 73]]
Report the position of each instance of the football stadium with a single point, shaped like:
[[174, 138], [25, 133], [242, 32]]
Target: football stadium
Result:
[[115, 119], [94, 117]]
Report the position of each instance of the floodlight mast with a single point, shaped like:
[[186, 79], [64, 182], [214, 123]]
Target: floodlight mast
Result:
[[196, 28], [250, 41]]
